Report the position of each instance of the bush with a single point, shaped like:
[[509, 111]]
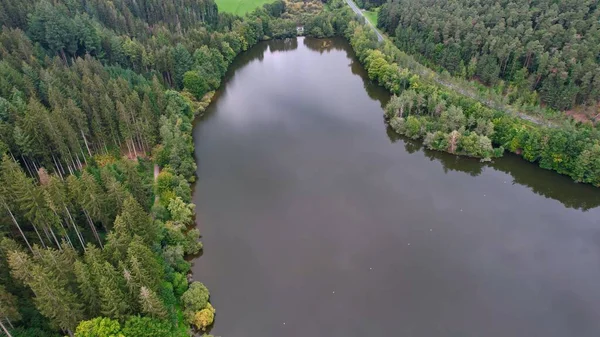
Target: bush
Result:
[[180, 284], [99, 327], [412, 127], [196, 297], [137, 326], [194, 300], [205, 317]]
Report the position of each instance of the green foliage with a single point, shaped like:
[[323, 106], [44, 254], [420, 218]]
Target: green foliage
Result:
[[99, 327], [194, 300], [528, 45], [180, 284], [137, 326], [55, 297], [240, 7], [151, 304], [195, 82], [180, 211], [204, 318], [8, 305]]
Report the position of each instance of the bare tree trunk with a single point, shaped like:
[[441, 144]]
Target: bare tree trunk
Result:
[[26, 166], [35, 165], [72, 160], [19, 227], [66, 235], [5, 329], [79, 236], [39, 236], [45, 229], [133, 145], [86, 144], [79, 166], [55, 239], [61, 166], [83, 154], [57, 168], [128, 149], [93, 227]]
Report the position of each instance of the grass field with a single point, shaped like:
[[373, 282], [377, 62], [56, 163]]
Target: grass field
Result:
[[240, 7], [372, 16]]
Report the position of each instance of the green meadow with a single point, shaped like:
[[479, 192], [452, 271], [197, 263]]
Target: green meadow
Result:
[[240, 7], [371, 15]]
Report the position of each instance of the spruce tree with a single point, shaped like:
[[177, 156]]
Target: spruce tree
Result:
[[151, 304], [113, 297]]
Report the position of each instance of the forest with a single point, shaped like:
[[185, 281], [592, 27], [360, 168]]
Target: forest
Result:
[[97, 101], [543, 51]]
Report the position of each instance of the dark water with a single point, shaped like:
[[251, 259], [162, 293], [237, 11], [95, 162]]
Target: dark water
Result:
[[316, 222]]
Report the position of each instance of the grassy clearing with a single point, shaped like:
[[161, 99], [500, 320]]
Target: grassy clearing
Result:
[[240, 7], [371, 15]]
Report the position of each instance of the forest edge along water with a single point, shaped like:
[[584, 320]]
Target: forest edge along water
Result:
[[315, 217]]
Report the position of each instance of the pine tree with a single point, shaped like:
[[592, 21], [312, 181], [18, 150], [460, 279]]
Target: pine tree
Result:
[[182, 62], [8, 167], [88, 273], [53, 297], [113, 297], [138, 222], [144, 266], [8, 307], [117, 241], [151, 304]]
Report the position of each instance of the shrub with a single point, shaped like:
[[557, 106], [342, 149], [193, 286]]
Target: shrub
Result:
[[205, 317]]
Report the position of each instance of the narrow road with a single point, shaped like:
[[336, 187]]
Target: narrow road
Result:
[[359, 12]]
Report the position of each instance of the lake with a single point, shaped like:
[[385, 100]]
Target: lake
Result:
[[316, 220]]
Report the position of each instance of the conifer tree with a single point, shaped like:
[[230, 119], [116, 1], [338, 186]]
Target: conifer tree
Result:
[[144, 266], [53, 297], [151, 304], [8, 308], [115, 302]]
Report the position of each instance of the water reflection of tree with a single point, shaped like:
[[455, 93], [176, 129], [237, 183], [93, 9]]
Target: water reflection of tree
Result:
[[541, 182], [283, 45], [548, 183], [257, 52], [325, 45], [374, 90]]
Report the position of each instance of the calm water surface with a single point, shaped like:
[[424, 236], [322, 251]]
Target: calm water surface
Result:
[[317, 222]]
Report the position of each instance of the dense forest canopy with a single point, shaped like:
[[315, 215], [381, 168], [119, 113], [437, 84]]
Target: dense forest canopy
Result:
[[549, 46]]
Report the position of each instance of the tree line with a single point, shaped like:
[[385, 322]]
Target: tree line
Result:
[[448, 121], [539, 50]]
